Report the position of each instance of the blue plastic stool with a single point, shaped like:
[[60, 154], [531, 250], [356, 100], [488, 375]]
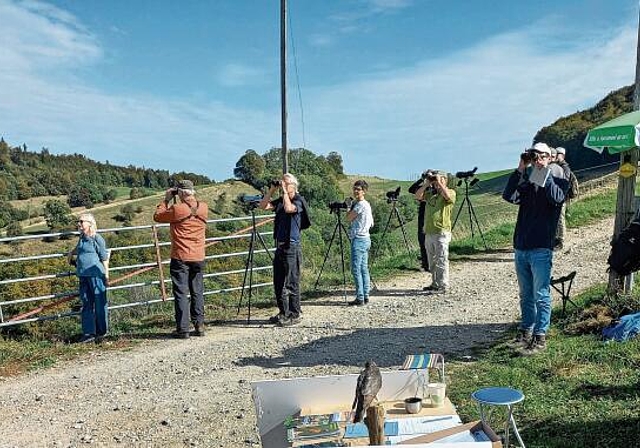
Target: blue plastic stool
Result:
[[500, 396]]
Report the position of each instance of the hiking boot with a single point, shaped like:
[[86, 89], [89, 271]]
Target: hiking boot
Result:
[[275, 319], [537, 345], [522, 339], [199, 331], [180, 335], [356, 302]]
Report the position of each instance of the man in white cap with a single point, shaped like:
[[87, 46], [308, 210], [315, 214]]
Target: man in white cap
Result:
[[533, 241]]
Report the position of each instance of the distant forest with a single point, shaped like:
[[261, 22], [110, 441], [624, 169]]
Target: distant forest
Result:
[[25, 174], [570, 131]]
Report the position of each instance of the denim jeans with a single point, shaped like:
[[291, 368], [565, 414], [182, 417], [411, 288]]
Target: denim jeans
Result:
[[95, 309], [533, 268], [187, 279], [287, 264], [360, 266]]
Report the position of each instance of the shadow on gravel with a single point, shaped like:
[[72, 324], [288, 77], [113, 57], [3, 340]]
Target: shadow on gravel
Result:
[[486, 259], [386, 346]]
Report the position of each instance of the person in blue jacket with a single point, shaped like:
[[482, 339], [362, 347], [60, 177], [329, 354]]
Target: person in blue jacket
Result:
[[539, 196], [92, 268]]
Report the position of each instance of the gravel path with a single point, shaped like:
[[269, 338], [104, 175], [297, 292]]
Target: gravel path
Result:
[[171, 393]]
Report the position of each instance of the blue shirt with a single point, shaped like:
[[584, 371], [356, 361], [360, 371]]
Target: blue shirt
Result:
[[91, 251], [287, 225]]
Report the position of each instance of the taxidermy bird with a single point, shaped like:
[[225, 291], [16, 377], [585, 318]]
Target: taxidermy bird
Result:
[[369, 383]]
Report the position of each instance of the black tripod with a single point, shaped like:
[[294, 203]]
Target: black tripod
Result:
[[336, 230], [473, 218], [394, 212], [248, 267]]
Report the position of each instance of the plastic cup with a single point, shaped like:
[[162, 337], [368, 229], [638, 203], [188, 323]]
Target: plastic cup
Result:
[[437, 392]]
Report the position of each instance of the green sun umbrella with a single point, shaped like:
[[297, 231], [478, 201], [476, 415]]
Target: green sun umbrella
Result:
[[617, 135]]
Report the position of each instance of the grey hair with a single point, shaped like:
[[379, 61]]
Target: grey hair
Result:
[[290, 178], [90, 219]]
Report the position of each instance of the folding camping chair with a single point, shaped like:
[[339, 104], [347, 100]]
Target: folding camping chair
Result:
[[421, 365], [565, 293]]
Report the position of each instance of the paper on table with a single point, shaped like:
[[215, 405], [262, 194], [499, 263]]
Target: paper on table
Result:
[[409, 428]]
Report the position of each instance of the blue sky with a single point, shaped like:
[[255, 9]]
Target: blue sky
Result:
[[394, 86]]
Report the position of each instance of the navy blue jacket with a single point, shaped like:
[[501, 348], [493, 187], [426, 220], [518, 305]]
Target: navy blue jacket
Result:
[[539, 210]]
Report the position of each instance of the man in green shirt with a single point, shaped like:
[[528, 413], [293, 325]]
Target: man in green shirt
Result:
[[439, 199]]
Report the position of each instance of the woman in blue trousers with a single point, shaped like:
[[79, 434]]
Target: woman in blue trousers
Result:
[[92, 268]]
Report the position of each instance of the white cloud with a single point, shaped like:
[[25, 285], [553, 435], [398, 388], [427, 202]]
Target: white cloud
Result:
[[45, 104], [480, 106]]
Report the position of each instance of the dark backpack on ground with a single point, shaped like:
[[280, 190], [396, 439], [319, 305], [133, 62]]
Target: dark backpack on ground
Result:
[[625, 250]]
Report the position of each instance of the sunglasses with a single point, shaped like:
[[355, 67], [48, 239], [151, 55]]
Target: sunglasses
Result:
[[80, 221]]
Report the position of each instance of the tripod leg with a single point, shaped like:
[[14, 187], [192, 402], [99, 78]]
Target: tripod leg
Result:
[[475, 217], [404, 232], [264, 246], [455, 221], [247, 267], [469, 210], [344, 274], [326, 255], [384, 233]]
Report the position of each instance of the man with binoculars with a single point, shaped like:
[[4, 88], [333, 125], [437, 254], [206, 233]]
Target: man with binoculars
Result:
[[439, 200], [539, 196], [188, 223], [291, 217]]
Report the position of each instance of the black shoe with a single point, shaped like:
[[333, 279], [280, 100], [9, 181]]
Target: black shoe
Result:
[[431, 287], [85, 339], [275, 319], [180, 335], [100, 339], [356, 303], [199, 331], [366, 300]]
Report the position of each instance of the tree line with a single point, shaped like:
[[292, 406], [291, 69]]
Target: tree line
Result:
[[26, 174]]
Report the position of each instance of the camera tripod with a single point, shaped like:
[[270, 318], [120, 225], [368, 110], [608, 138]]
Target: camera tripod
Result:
[[473, 218], [394, 212], [248, 267], [338, 229]]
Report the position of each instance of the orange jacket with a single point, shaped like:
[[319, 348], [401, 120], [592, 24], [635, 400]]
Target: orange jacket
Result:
[[188, 226]]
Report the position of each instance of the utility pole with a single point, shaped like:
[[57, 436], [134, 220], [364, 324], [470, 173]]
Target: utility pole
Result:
[[626, 205], [283, 83]]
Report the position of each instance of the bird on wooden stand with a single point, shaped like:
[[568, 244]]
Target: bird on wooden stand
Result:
[[367, 387]]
